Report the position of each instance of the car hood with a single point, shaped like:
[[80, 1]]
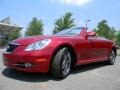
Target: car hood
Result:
[[28, 40], [31, 39]]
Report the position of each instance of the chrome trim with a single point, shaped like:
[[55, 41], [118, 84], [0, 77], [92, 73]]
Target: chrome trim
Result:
[[7, 52], [8, 46], [18, 64], [22, 65], [14, 43]]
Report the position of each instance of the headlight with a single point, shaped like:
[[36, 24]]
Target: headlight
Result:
[[38, 45]]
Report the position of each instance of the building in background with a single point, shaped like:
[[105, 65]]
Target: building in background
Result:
[[5, 28]]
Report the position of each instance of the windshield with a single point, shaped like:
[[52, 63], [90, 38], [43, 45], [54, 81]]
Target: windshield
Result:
[[70, 31]]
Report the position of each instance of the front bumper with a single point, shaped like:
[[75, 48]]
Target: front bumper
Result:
[[39, 61]]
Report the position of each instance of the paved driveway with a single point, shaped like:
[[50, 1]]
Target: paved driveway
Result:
[[87, 77]]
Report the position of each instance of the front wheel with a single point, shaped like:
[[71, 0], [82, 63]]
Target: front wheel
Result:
[[112, 58], [61, 64]]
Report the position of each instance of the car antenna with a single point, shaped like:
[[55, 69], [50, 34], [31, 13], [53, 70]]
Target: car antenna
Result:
[[86, 24]]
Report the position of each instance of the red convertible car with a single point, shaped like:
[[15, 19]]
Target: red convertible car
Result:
[[58, 53]]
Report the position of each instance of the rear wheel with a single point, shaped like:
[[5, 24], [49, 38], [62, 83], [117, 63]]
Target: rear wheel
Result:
[[61, 64], [112, 58]]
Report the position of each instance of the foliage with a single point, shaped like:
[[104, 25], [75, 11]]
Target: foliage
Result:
[[112, 33], [118, 38], [9, 37], [14, 35], [63, 22], [35, 27], [104, 30]]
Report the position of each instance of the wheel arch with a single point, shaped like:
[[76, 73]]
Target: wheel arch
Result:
[[72, 51], [115, 50]]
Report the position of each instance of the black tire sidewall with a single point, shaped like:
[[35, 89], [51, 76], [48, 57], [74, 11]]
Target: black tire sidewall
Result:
[[56, 70], [109, 61], [62, 75]]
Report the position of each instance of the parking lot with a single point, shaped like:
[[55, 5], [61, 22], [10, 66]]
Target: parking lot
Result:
[[96, 76]]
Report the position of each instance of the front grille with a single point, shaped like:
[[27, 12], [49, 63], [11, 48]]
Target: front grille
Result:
[[11, 47]]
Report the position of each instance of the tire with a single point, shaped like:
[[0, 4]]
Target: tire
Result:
[[61, 65], [112, 58]]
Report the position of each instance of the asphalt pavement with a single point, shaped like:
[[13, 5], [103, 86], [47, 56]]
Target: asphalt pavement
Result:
[[97, 76]]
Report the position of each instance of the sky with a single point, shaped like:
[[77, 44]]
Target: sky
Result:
[[21, 12]]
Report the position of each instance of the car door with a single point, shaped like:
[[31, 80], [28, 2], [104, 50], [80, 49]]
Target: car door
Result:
[[99, 47], [84, 47]]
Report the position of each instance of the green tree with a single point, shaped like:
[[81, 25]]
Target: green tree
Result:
[[14, 35], [103, 29], [35, 27], [112, 33], [9, 37], [63, 22], [118, 38]]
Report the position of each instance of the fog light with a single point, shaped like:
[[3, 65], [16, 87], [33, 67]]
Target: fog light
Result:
[[28, 65]]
